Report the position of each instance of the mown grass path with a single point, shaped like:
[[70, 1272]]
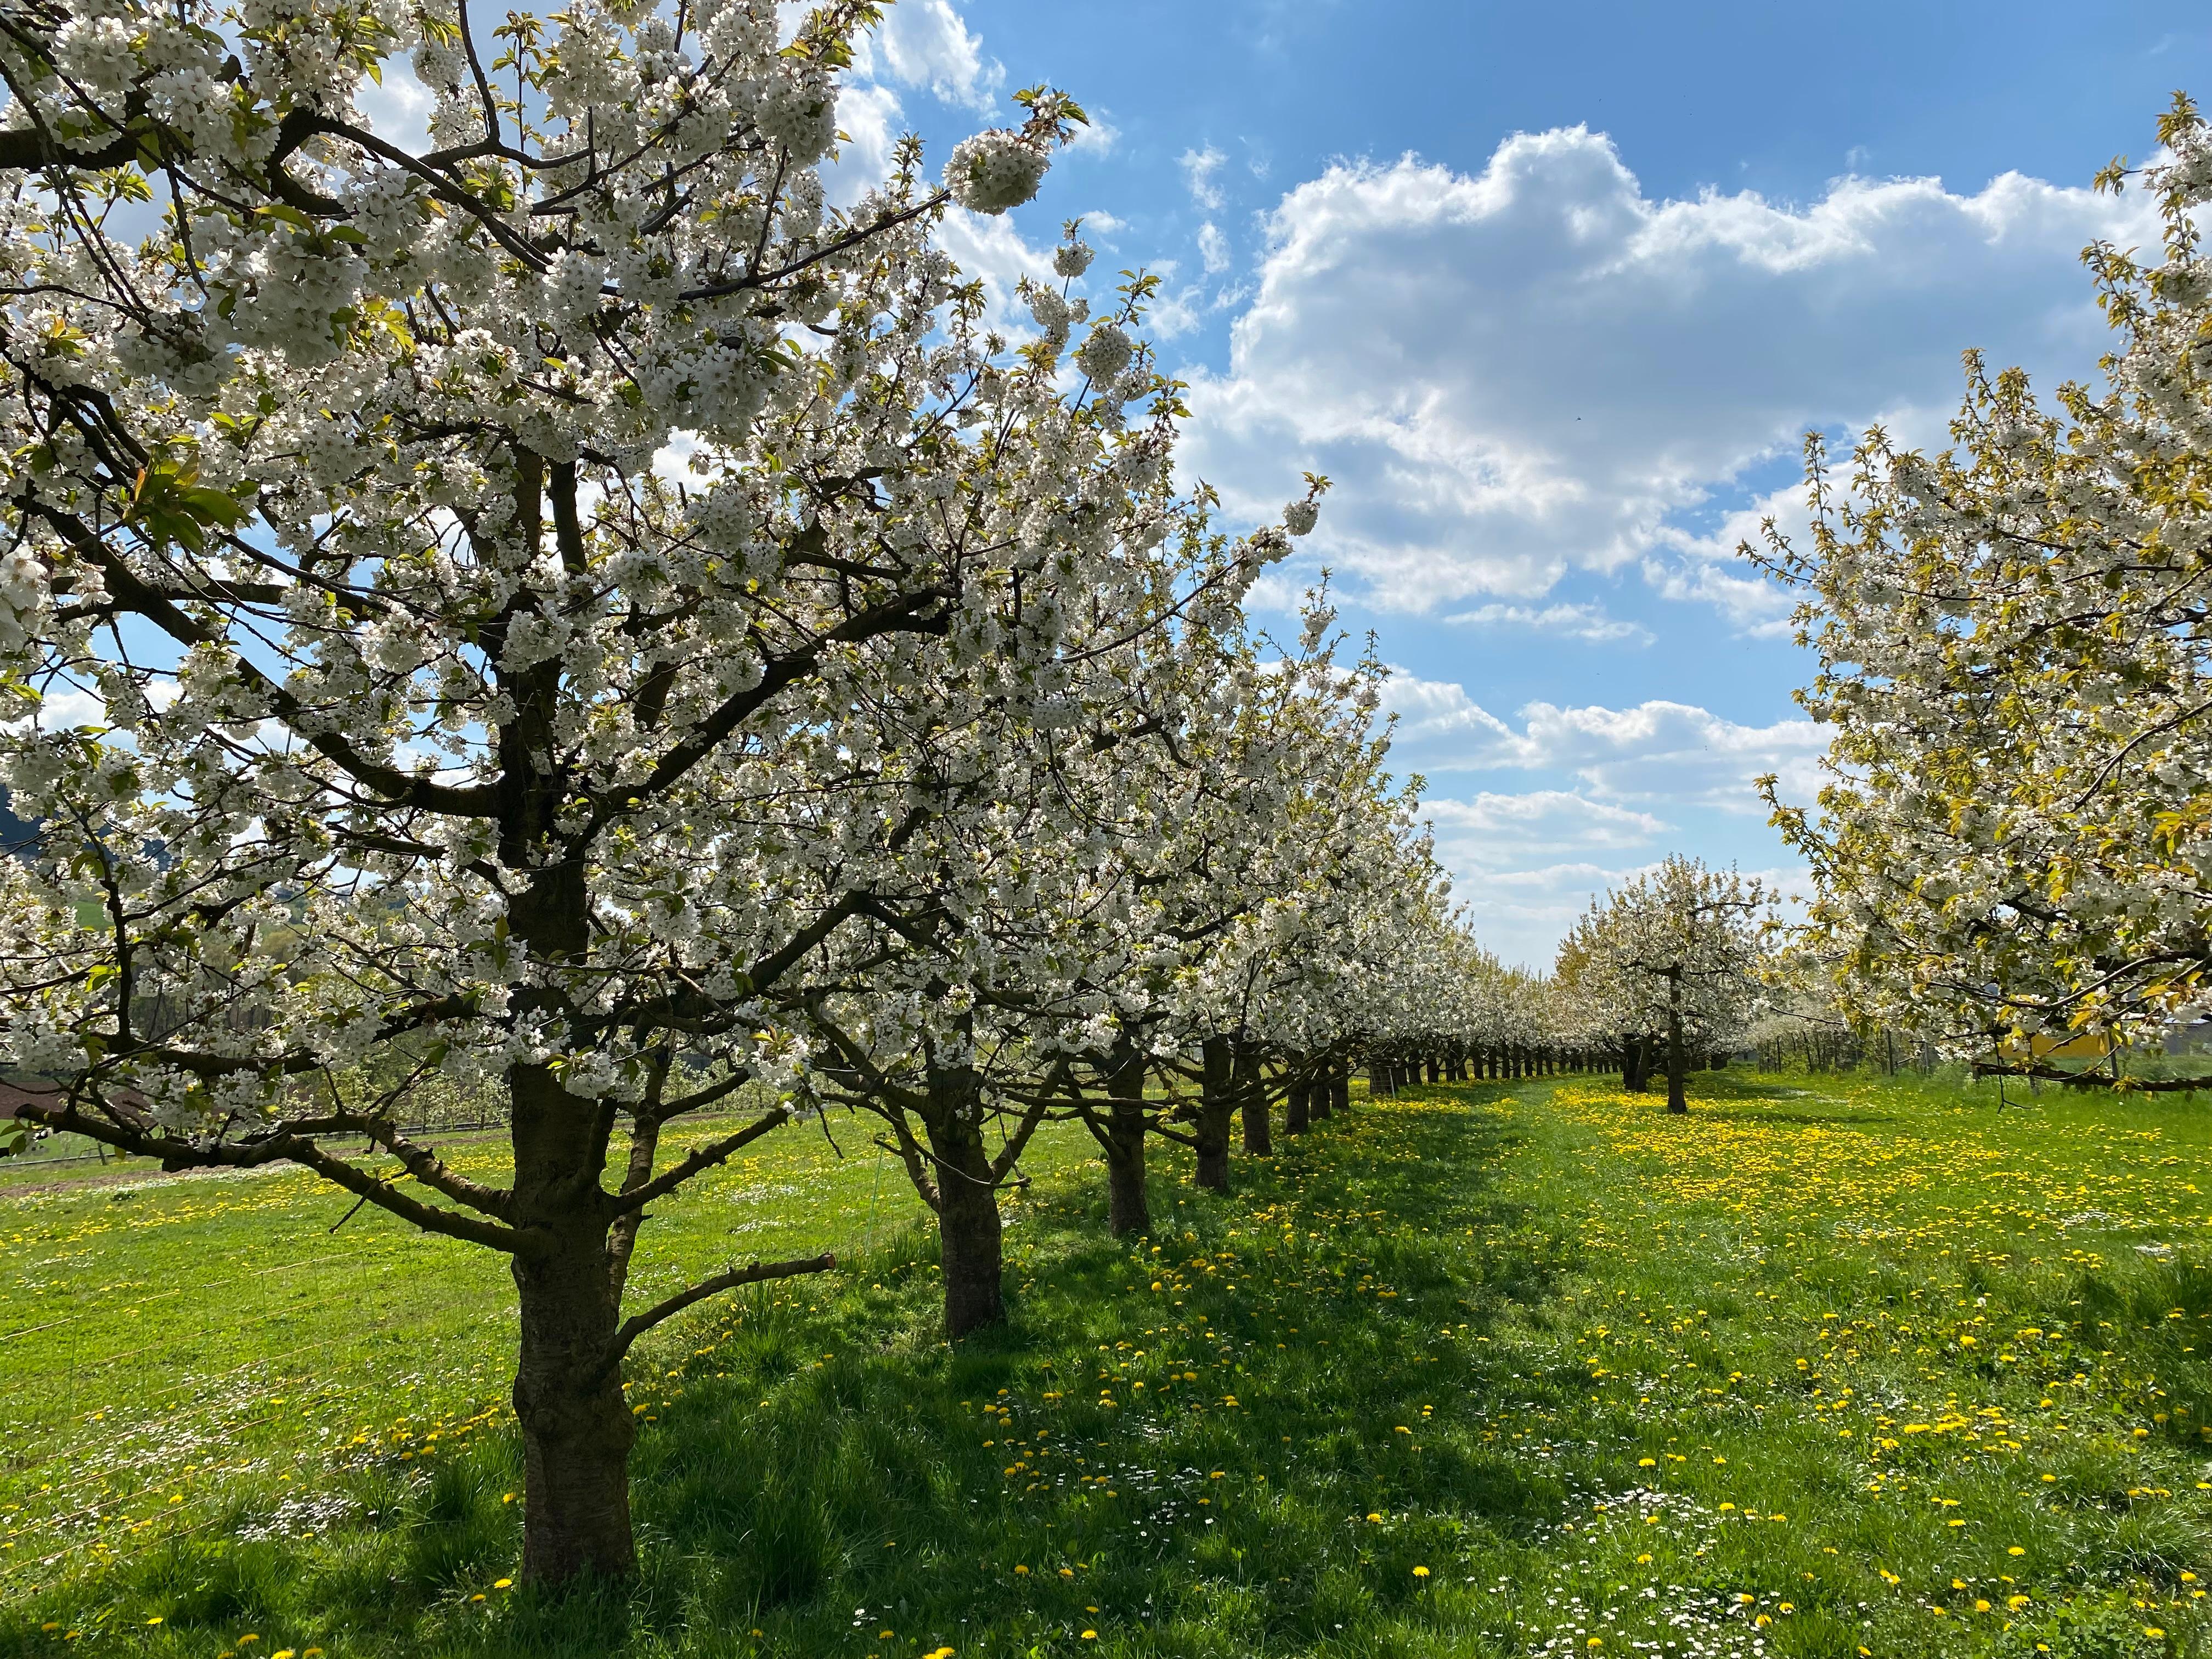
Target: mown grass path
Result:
[[1497, 1369]]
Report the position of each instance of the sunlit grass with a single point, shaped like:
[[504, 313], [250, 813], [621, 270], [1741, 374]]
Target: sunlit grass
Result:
[[1503, 1370]]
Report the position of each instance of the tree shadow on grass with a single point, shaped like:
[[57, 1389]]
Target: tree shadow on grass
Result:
[[1242, 1432]]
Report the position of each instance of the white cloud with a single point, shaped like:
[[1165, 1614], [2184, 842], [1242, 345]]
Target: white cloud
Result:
[[1199, 166], [992, 249], [1675, 752], [1213, 248], [1500, 832], [1521, 914], [1441, 728], [1094, 137], [1575, 621], [1527, 865], [924, 43], [871, 117], [397, 106], [1536, 368], [1671, 753]]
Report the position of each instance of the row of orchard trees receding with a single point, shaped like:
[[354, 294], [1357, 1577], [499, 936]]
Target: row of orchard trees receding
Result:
[[569, 613]]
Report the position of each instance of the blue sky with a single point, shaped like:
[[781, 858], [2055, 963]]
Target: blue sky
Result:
[[1550, 292]]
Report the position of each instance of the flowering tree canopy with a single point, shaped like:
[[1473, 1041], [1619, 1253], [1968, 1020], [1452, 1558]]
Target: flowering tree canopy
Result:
[[2013, 847], [1672, 957]]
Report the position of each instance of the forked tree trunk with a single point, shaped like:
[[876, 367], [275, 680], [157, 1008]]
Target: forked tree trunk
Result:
[[969, 1230], [1217, 1106], [1252, 1092], [1637, 1070], [1127, 1210], [576, 1431]]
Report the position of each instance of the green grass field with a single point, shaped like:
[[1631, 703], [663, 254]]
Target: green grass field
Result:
[[1833, 1367]]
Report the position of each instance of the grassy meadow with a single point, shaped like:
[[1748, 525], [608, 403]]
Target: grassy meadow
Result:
[[1832, 1367]]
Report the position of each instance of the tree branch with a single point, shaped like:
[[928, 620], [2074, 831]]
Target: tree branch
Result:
[[639, 1324], [703, 1157], [284, 1148]]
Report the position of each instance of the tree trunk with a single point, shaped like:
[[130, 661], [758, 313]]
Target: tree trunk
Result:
[[1339, 1088], [1127, 1211], [1639, 1079], [1296, 1097], [576, 1431], [967, 1227], [1252, 1088], [1216, 1104], [1678, 1058]]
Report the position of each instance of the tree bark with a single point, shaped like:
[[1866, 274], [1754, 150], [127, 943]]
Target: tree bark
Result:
[[1127, 1210], [1639, 1079], [969, 1230], [1678, 1058], [1252, 1090], [1339, 1088], [1296, 1097], [576, 1431], [1217, 1105]]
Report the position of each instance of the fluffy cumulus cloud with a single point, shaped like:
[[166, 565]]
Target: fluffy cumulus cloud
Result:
[[1613, 790], [1655, 751], [1536, 368], [925, 43]]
